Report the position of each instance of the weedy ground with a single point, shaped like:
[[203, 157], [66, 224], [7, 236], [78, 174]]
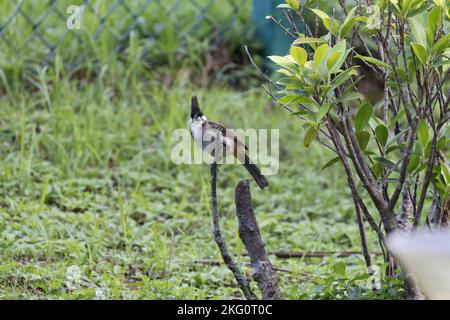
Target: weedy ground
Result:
[[92, 207]]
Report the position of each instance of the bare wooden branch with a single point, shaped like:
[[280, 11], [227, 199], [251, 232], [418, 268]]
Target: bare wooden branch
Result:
[[316, 254], [362, 233], [445, 216], [278, 24], [250, 235], [216, 262], [404, 168], [426, 182], [406, 211], [242, 280], [351, 183], [359, 163]]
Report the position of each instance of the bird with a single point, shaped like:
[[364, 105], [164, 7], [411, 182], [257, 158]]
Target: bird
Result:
[[201, 127]]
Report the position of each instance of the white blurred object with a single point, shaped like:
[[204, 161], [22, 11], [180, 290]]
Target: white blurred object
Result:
[[427, 257]]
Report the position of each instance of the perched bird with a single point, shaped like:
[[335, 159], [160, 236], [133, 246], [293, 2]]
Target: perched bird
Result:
[[202, 127]]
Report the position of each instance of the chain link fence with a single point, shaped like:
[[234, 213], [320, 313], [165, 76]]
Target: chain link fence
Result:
[[34, 33]]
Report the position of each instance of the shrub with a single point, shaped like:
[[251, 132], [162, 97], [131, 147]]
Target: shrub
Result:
[[394, 148]]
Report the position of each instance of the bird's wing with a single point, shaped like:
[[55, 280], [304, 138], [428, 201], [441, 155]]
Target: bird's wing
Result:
[[232, 144], [208, 125], [229, 140], [212, 129], [213, 126]]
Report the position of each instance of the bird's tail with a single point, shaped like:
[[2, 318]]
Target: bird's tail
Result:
[[255, 172]]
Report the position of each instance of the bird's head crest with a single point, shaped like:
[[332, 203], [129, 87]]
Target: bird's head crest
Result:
[[195, 108]]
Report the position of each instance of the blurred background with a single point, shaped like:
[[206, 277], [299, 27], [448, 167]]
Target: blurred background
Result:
[[195, 35], [91, 205]]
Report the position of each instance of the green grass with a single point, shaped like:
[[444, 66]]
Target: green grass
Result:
[[163, 32], [87, 189]]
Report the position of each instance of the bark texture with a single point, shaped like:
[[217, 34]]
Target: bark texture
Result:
[[263, 272], [412, 288], [406, 211], [404, 224], [439, 216]]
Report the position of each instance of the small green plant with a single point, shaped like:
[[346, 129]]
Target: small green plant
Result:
[[394, 148]]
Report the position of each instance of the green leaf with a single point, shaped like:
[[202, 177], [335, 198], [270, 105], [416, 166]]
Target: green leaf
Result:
[[435, 19], [326, 20], [382, 133], [340, 62], [377, 169], [441, 143], [340, 46], [299, 113], [286, 72], [385, 163], [327, 24], [350, 96], [402, 74], [339, 268], [440, 3], [418, 9], [441, 45], [293, 3], [320, 53], [413, 7], [283, 62], [445, 171], [344, 76], [363, 116], [418, 30], [323, 111], [349, 22], [421, 168], [441, 189], [325, 88], [373, 61], [444, 63], [299, 55], [423, 134], [363, 139], [290, 83], [287, 99], [307, 40], [284, 6], [333, 58], [306, 101], [395, 147], [322, 15], [399, 115], [312, 123], [414, 162], [309, 136], [330, 163], [412, 70], [396, 7], [420, 52]]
